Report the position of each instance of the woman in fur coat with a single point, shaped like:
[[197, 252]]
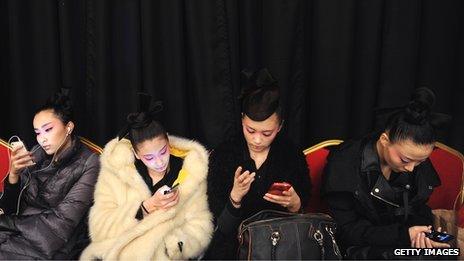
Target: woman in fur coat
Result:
[[150, 198]]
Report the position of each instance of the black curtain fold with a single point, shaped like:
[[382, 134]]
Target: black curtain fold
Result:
[[336, 61]]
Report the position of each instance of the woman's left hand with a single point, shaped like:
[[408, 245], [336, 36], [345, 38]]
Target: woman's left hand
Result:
[[289, 199]]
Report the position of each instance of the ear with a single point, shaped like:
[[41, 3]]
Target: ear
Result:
[[281, 125], [384, 139], [70, 127]]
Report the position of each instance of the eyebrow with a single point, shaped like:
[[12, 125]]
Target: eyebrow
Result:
[[409, 159], [150, 154], [260, 131], [44, 125]]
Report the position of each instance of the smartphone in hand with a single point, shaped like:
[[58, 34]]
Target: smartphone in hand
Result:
[[19, 143], [278, 187], [439, 236], [172, 189]]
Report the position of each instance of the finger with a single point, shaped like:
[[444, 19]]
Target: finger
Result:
[[265, 197], [249, 178], [428, 242], [440, 245], [21, 166], [23, 160], [413, 242], [21, 155], [439, 229], [417, 241], [289, 192], [238, 171], [170, 204], [277, 200], [422, 240], [243, 176]]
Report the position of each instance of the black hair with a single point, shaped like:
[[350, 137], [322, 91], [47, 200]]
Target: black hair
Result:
[[261, 97], [143, 125], [61, 105], [413, 122], [151, 130]]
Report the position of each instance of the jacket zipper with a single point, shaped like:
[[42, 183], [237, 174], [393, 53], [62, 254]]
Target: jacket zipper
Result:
[[384, 200]]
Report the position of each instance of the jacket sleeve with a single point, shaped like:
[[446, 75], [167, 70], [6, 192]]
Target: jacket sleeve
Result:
[[226, 217], [356, 230], [191, 238], [113, 212], [9, 197], [41, 235]]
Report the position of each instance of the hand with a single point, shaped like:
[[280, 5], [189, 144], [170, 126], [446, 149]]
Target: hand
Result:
[[19, 160], [242, 184], [289, 199], [419, 240], [161, 201]]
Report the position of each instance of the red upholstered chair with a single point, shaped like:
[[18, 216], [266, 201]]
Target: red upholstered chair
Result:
[[4, 161], [449, 165], [316, 157]]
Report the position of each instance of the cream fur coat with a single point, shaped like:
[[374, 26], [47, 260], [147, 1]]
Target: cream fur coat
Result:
[[117, 234]]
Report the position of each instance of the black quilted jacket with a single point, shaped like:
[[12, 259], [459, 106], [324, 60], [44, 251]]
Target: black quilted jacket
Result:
[[52, 219]]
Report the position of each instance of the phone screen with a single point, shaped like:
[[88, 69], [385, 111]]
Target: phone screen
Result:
[[439, 236], [172, 189]]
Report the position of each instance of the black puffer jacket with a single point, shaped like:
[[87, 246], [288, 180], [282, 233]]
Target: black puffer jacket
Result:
[[373, 214], [54, 203]]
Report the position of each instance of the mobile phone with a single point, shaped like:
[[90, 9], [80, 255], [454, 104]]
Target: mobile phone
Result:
[[278, 187], [20, 143], [439, 236], [172, 189]]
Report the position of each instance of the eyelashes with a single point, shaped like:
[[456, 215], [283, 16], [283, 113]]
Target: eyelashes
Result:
[[46, 130], [264, 134], [150, 157]]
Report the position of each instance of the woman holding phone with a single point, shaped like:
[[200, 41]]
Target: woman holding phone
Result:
[[244, 170], [377, 187], [150, 198], [49, 189]]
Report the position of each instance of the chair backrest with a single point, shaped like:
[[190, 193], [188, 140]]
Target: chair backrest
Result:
[[92, 146], [4, 161], [449, 165], [316, 157]]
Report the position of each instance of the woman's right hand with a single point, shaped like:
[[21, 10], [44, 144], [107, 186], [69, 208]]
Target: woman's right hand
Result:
[[419, 240], [242, 183], [19, 160], [161, 201]]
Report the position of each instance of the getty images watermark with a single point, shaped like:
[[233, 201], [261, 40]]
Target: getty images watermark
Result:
[[426, 252]]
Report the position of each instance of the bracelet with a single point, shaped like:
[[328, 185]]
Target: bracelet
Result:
[[235, 203], [143, 208]]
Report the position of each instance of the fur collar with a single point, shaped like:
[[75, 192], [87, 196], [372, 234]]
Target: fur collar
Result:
[[118, 158]]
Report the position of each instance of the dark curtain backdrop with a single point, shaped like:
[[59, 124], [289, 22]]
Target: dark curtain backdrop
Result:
[[335, 61]]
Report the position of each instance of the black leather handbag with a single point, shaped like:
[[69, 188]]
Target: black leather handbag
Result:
[[275, 235]]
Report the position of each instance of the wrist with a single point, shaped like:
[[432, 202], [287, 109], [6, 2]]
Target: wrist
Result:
[[294, 208], [235, 203], [13, 178], [144, 209]]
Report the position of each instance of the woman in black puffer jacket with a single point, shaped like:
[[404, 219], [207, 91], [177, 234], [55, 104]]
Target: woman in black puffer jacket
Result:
[[48, 192]]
